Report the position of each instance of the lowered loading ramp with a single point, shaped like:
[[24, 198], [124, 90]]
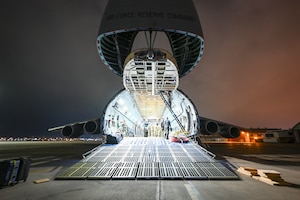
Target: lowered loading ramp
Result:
[[148, 158]]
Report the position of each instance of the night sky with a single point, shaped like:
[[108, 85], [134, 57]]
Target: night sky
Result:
[[51, 74]]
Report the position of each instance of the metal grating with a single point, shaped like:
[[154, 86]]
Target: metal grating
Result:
[[95, 159], [148, 158], [126, 171], [148, 171], [78, 171], [170, 170], [191, 171], [102, 173]]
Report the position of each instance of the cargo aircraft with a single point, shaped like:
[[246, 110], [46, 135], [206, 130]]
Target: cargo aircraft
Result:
[[150, 102]]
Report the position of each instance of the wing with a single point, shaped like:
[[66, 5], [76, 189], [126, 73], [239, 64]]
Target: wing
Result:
[[78, 128], [210, 126]]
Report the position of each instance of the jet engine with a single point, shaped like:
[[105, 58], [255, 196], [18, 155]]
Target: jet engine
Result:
[[209, 127], [72, 131], [230, 132], [92, 127]]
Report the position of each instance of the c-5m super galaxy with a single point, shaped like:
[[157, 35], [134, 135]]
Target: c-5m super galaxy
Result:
[[127, 44]]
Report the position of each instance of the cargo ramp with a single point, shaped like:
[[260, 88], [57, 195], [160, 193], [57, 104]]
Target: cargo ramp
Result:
[[148, 158]]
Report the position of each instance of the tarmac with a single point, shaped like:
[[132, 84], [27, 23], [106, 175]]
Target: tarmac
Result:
[[246, 187]]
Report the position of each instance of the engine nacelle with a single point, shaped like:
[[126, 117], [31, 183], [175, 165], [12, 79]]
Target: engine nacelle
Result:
[[209, 127], [230, 132], [92, 127], [72, 131]]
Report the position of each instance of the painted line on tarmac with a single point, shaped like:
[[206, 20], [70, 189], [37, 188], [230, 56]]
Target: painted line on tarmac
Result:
[[159, 191], [192, 191], [46, 161], [42, 158]]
